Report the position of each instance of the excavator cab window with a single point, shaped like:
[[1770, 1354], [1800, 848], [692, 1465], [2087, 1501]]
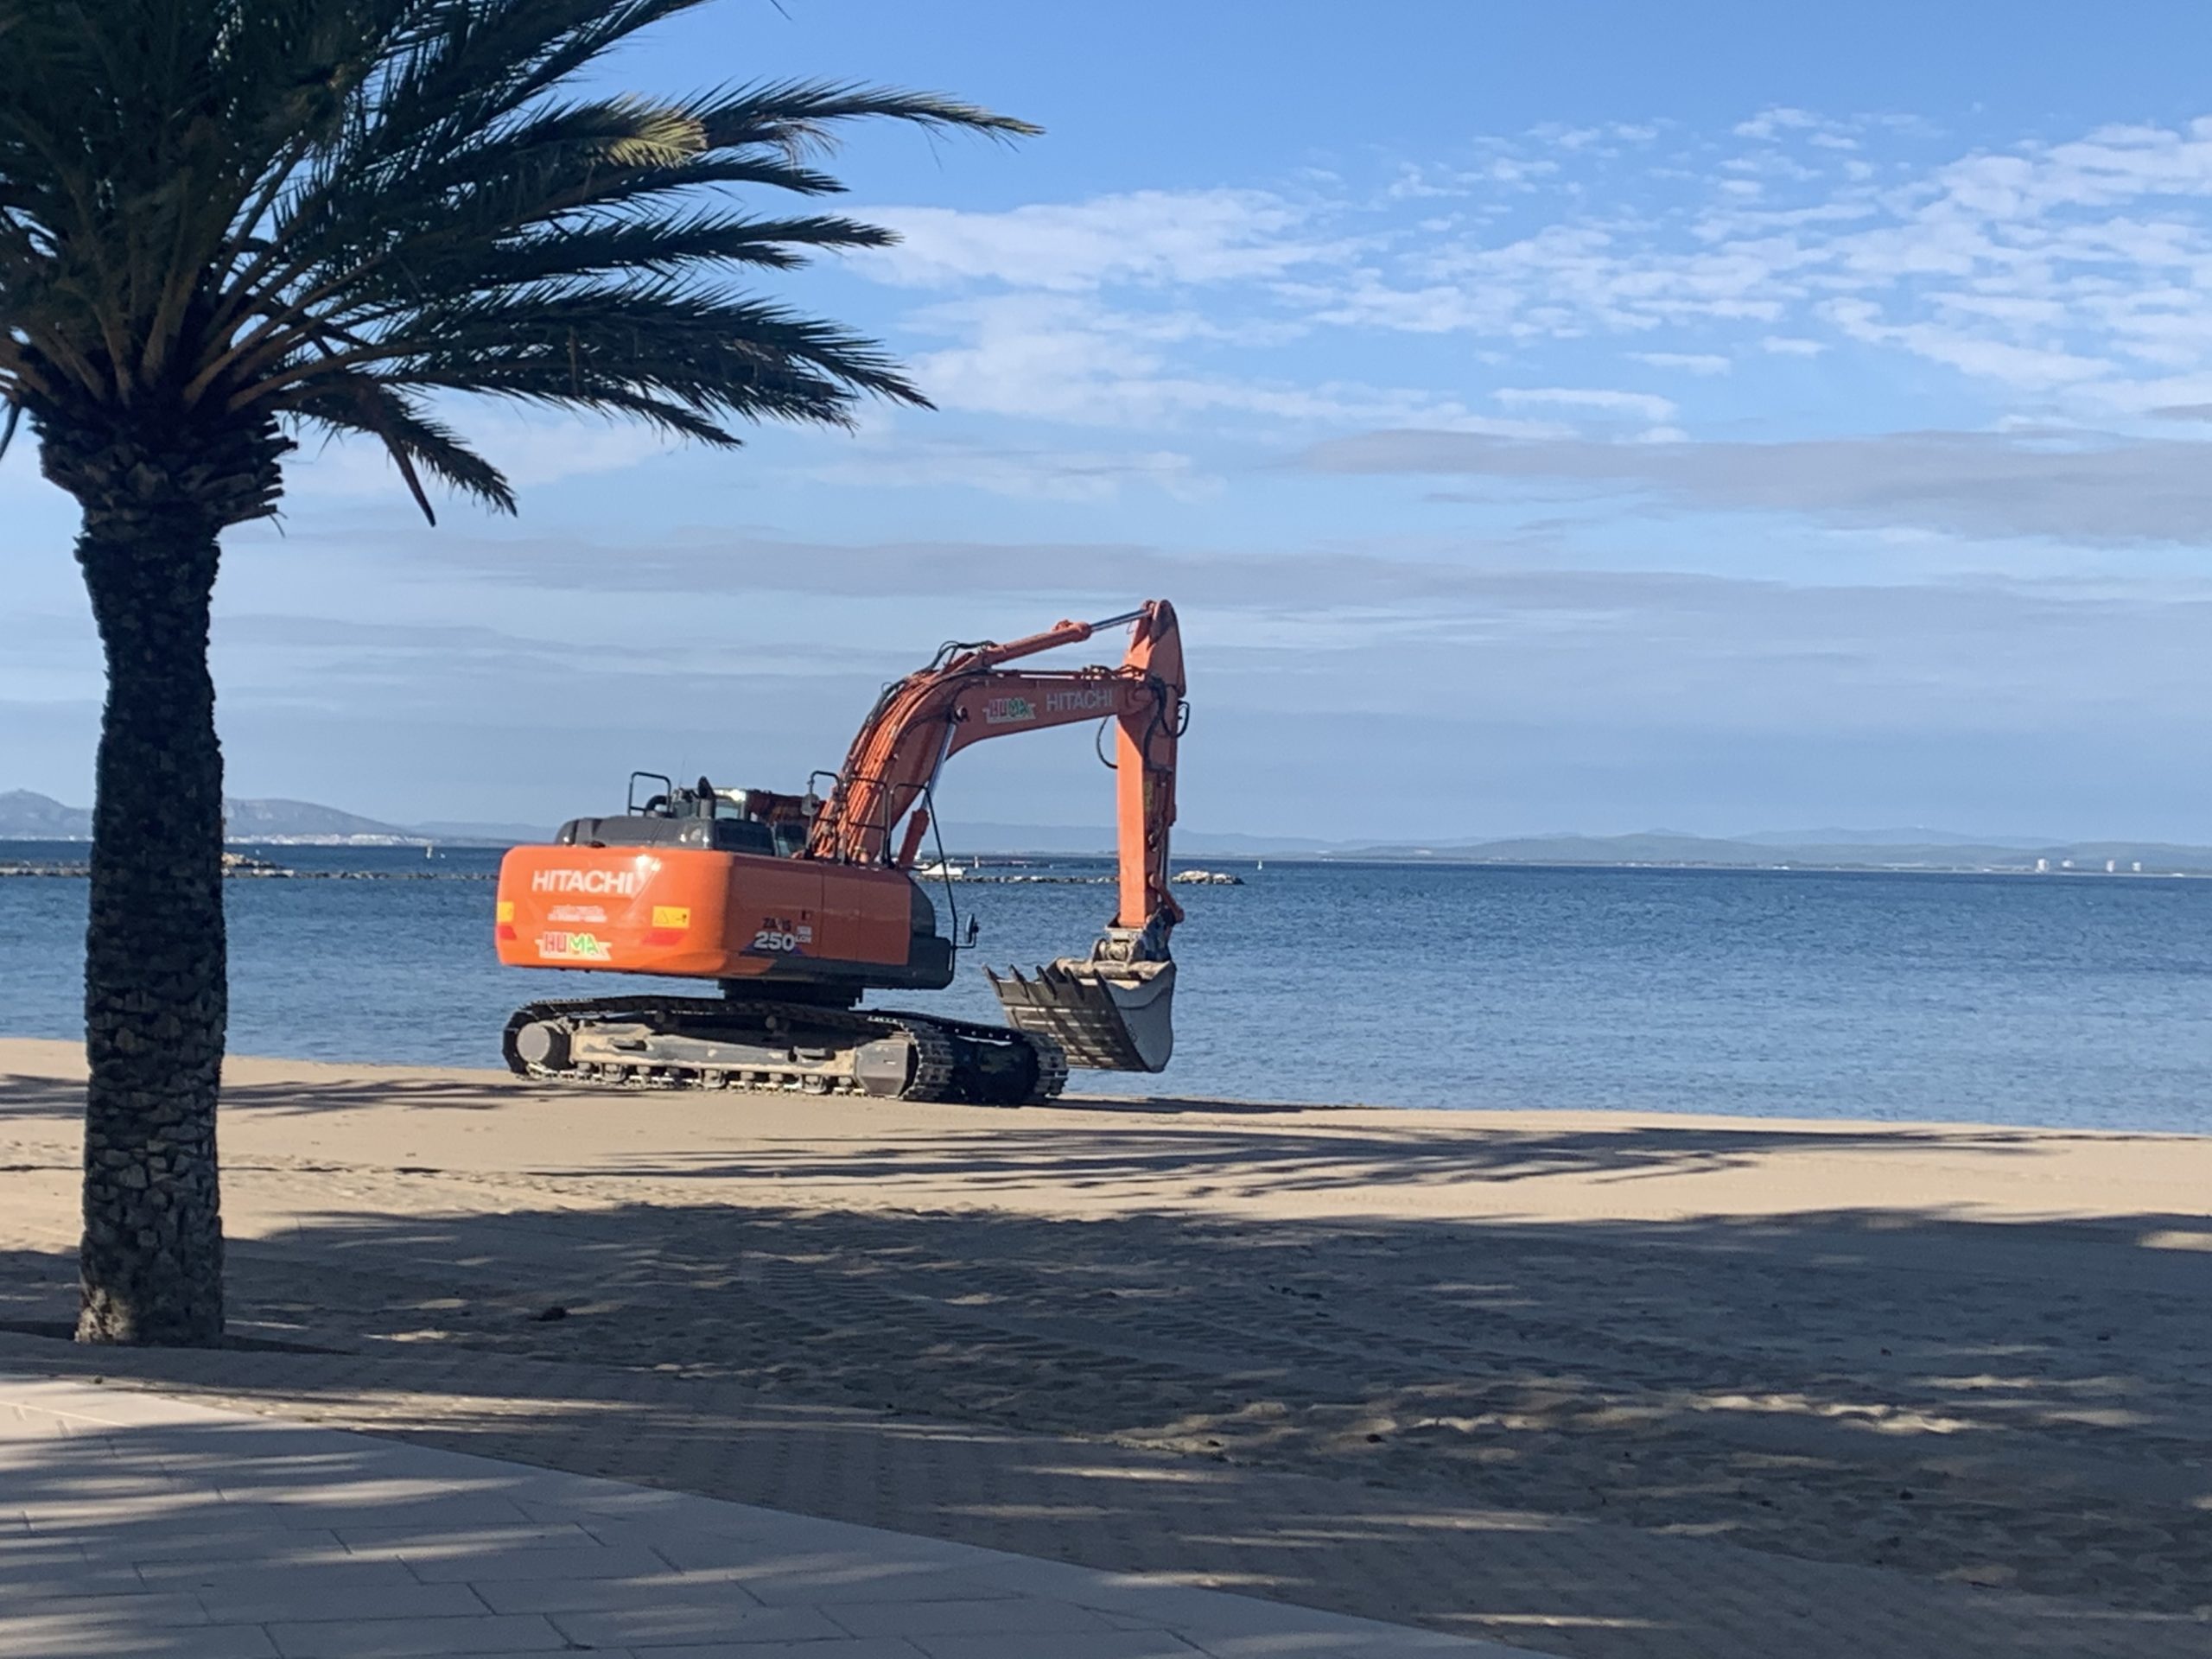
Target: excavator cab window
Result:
[[655, 830], [656, 802], [663, 813]]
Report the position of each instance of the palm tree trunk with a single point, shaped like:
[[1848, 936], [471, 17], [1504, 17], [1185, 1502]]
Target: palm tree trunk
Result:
[[155, 998]]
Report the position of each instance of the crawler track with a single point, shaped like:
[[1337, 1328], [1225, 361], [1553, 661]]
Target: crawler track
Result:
[[763, 1047]]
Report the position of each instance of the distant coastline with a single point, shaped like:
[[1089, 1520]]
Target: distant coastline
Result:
[[27, 817]]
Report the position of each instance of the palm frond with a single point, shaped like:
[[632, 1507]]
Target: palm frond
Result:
[[801, 116], [641, 348], [349, 213], [417, 442]]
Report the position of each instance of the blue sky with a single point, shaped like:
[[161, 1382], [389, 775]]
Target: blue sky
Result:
[[1546, 416]]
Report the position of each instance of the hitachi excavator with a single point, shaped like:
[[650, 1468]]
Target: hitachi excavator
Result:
[[796, 905]]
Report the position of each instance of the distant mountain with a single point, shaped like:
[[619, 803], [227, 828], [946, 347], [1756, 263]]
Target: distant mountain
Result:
[[1912, 837], [1201, 840], [304, 820], [506, 834], [1650, 847], [966, 839], [27, 817], [1679, 850]]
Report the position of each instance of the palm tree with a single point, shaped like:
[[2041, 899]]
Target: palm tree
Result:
[[223, 222]]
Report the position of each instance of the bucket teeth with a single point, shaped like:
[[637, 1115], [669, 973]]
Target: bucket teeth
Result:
[[1108, 1016]]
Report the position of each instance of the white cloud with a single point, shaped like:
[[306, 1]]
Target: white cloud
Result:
[[1608, 139], [1068, 360], [1773, 123], [2087, 489], [2077, 272], [1705, 363], [1153, 236], [1642, 404], [2032, 367], [2063, 268], [1031, 474]]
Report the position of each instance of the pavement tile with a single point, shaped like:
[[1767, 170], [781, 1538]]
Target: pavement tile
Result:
[[682, 1516], [707, 1554], [197, 1540], [267, 1605], [603, 1529], [713, 1592], [1190, 1608], [492, 1566], [664, 1515], [693, 1623], [1015, 1616], [151, 1610], [351, 1479], [1095, 1644], [1381, 1642], [877, 1580], [424, 1542], [322, 1513], [250, 1577], [100, 1633], [417, 1638], [25, 1575], [808, 1543], [256, 1453], [94, 1502], [91, 1406], [339, 1507], [865, 1647], [1028, 1575]]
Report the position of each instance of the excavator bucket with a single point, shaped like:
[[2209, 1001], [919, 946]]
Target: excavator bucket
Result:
[[1113, 1016]]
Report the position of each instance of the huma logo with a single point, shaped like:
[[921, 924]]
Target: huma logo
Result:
[[623, 883], [586, 947], [1005, 711]]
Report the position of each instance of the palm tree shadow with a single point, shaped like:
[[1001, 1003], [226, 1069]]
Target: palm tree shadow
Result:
[[1414, 1420]]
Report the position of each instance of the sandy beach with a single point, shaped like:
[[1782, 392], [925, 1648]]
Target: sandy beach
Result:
[[1966, 1356]]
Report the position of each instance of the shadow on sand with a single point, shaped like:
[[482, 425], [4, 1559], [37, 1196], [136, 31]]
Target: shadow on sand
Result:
[[1609, 1440], [1008, 1150]]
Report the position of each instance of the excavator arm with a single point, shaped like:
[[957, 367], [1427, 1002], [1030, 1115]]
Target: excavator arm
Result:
[[967, 696], [1110, 1009]]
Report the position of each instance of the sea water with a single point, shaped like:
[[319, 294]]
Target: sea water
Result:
[[2068, 1001]]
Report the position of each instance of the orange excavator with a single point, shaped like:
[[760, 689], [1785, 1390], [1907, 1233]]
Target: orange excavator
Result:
[[796, 905]]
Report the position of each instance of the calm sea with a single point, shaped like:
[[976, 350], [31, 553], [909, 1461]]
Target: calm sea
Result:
[[2074, 1001]]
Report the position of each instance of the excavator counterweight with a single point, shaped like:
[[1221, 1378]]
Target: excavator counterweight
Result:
[[798, 904]]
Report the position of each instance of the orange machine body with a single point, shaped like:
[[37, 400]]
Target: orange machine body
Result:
[[841, 910], [697, 913]]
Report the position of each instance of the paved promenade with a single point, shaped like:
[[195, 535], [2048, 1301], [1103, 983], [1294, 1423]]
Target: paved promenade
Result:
[[145, 1466], [135, 1524]]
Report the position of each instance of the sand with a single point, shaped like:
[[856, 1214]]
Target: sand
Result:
[[1969, 1355]]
